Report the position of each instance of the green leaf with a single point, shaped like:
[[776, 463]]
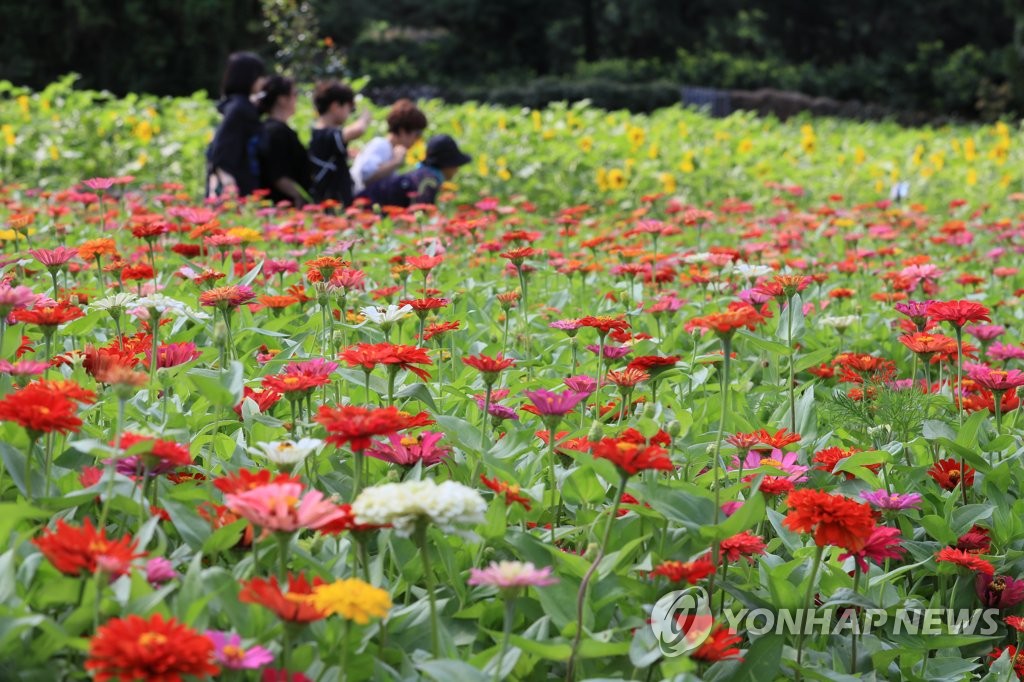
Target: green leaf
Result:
[[224, 538], [742, 519]]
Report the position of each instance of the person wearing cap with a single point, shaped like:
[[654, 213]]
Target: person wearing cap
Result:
[[421, 185]]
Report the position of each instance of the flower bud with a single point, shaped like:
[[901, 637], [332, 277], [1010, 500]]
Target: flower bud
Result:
[[650, 411], [596, 432], [674, 428]]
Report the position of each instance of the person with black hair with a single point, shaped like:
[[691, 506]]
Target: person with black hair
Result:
[[231, 164], [382, 156], [284, 163], [328, 143]]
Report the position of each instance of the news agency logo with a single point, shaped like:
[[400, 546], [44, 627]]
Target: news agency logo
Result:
[[681, 620]]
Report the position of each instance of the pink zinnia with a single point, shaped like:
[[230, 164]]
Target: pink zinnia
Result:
[[229, 653], [314, 367], [282, 507], [882, 544], [54, 258], [159, 570], [581, 384], [15, 298], [549, 403], [998, 351], [23, 368], [985, 332], [408, 450], [173, 354], [510, 575], [996, 379]]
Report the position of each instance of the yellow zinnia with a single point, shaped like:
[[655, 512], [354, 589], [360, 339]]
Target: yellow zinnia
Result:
[[352, 599]]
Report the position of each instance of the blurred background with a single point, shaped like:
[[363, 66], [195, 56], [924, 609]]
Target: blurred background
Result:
[[932, 59]]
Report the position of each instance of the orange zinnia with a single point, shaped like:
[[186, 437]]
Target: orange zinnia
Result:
[[834, 519]]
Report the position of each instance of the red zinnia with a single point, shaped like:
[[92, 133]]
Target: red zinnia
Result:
[[965, 559], [834, 519], [78, 551], [958, 313], [950, 472], [488, 366], [293, 385], [510, 491], [719, 646], [745, 544], [358, 425], [134, 648], [632, 458], [50, 316], [690, 571], [267, 593], [39, 410]]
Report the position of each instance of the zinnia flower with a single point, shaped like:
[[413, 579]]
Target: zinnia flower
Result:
[[290, 605], [352, 599], [833, 519], [688, 571], [134, 648], [882, 499], [408, 450], [75, 550], [288, 453], [227, 297], [719, 646], [405, 504], [958, 313], [358, 425], [949, 473], [511, 575], [549, 403], [999, 592], [39, 410], [964, 559], [632, 458], [745, 544], [882, 544], [283, 507], [229, 653]]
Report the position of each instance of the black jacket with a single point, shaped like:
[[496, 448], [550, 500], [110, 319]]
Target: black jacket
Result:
[[233, 149]]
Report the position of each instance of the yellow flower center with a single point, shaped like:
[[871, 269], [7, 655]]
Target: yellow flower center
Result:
[[233, 653], [769, 462], [148, 639]]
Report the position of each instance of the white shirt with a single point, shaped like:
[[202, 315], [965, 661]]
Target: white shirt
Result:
[[377, 151]]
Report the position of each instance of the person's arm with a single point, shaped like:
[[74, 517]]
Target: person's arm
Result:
[[291, 189], [388, 167], [357, 129]]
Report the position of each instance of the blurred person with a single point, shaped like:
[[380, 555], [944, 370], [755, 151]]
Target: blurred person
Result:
[[382, 156], [421, 185], [284, 162], [231, 161], [328, 143]]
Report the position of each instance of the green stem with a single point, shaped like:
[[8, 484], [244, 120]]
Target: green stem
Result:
[[808, 597], [112, 468], [582, 594], [792, 360], [420, 536], [553, 480], [856, 630], [283, 540], [484, 444], [30, 455], [506, 634]]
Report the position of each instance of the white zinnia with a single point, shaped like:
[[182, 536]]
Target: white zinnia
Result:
[[388, 315], [751, 270], [403, 504], [288, 452], [839, 322], [164, 303], [115, 303]]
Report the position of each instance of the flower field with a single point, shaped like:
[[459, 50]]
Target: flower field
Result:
[[628, 356]]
